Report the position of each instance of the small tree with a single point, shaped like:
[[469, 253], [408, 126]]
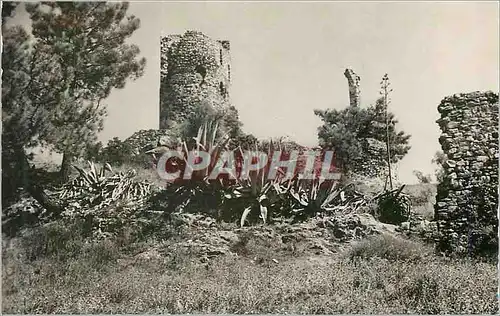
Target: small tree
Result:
[[94, 152], [421, 177], [116, 152], [232, 123], [363, 137], [440, 159]]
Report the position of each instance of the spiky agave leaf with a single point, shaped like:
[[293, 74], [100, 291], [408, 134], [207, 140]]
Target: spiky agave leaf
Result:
[[263, 209], [214, 133], [246, 211], [108, 167], [331, 194], [83, 174]]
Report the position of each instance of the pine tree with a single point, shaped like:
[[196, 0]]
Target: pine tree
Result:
[[87, 43], [26, 82], [359, 138]]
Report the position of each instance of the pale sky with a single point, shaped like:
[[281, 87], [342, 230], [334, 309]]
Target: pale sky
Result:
[[289, 59]]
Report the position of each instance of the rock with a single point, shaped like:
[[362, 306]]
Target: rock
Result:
[[452, 125], [354, 226], [441, 204], [405, 225], [229, 236], [482, 158], [150, 254], [451, 163]]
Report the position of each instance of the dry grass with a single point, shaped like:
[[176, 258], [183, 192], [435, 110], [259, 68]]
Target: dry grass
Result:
[[391, 248], [103, 278]]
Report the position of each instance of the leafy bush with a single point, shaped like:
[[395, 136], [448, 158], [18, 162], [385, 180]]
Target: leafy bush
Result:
[[421, 177], [243, 141], [127, 152], [423, 196]]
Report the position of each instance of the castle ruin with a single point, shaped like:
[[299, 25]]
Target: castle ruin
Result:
[[467, 200], [194, 70]]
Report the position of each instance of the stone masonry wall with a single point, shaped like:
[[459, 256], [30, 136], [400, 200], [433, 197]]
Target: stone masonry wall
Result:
[[354, 92], [194, 70], [467, 200]]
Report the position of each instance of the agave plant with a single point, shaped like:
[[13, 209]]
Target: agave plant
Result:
[[206, 140], [93, 180], [106, 203], [393, 207], [314, 197], [325, 197], [185, 193], [257, 192], [93, 186]]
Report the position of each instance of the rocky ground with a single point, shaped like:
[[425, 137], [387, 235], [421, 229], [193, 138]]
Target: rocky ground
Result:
[[325, 235]]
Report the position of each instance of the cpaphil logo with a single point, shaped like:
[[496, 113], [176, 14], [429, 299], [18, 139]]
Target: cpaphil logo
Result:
[[198, 165]]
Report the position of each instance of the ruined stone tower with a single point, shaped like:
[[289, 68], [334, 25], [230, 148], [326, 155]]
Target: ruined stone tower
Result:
[[194, 70], [354, 92]]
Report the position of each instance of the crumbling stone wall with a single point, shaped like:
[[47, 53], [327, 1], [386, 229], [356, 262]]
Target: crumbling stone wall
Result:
[[194, 70], [354, 92], [467, 199]]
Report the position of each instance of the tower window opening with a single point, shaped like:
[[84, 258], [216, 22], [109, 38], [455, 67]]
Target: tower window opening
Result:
[[229, 72], [202, 71], [220, 56], [222, 89]]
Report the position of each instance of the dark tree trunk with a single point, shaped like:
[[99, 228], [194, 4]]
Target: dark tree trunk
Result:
[[66, 167], [21, 175], [15, 170], [31, 186]]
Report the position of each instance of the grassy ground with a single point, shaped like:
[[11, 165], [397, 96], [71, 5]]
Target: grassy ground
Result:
[[51, 273]]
